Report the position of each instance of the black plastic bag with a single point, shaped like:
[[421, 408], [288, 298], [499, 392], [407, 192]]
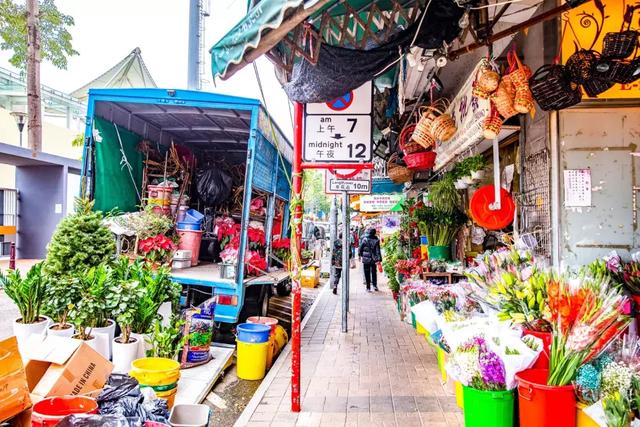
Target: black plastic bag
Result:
[[122, 397], [99, 421], [118, 386], [214, 186]]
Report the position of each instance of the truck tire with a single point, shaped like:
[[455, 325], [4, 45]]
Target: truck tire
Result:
[[254, 302], [283, 289]]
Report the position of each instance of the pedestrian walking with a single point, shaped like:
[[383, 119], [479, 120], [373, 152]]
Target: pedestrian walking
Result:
[[336, 263], [370, 255]]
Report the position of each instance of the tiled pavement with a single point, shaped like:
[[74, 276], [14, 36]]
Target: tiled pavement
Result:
[[380, 373]]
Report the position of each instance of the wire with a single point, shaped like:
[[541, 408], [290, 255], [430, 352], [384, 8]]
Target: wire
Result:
[[495, 4], [124, 162]]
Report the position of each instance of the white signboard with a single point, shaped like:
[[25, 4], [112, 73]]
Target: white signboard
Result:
[[469, 113], [577, 188], [379, 202], [341, 130], [334, 183]]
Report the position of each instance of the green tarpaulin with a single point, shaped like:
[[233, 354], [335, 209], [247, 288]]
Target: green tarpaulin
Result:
[[118, 168], [246, 34]]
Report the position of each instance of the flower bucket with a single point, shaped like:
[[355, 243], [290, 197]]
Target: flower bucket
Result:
[[49, 412], [542, 405], [459, 391], [489, 408], [543, 359], [582, 419], [253, 332], [441, 357], [420, 329], [251, 360], [155, 371], [441, 253]]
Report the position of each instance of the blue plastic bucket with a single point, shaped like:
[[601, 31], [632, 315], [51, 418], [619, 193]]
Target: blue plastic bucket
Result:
[[193, 216], [253, 332], [189, 226]]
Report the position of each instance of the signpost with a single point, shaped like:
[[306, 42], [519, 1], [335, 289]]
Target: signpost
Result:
[[340, 131], [353, 182]]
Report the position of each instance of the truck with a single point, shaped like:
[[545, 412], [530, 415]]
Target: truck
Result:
[[210, 126]]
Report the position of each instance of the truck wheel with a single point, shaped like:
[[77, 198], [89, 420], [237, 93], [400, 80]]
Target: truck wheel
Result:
[[283, 289], [265, 302]]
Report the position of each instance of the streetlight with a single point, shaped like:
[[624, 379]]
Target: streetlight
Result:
[[19, 116]]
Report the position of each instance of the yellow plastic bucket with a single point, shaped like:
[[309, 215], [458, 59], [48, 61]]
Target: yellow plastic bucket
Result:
[[459, 395], [441, 357], [420, 329], [169, 396], [155, 371], [252, 360], [582, 419]]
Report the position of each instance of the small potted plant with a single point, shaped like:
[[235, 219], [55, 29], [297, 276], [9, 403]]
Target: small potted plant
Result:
[[306, 256], [60, 296], [166, 341], [157, 250], [476, 166], [27, 293], [125, 347]]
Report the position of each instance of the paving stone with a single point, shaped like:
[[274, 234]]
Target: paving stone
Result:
[[404, 404]]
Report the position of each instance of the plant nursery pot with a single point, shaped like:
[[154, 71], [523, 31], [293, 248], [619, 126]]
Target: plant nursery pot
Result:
[[477, 175], [68, 331], [488, 408], [23, 331], [124, 354], [542, 405], [439, 253], [543, 359], [460, 185], [105, 336], [91, 342], [142, 344]]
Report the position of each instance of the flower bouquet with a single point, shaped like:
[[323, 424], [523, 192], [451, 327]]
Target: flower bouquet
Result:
[[475, 365], [408, 267], [256, 264], [587, 314]]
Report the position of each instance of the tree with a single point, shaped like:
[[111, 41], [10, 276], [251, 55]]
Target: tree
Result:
[[55, 39], [315, 199], [20, 30]]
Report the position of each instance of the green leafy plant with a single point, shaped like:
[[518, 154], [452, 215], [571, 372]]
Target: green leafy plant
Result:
[[130, 292], [617, 410], [306, 254], [61, 294], [444, 196], [441, 226], [475, 163], [27, 293], [79, 242], [166, 341], [392, 253], [145, 224]]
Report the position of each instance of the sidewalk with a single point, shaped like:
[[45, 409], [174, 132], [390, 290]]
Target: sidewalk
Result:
[[379, 373]]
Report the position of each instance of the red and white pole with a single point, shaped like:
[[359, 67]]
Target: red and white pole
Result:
[[297, 236]]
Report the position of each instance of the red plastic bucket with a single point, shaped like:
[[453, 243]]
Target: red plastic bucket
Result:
[[542, 405], [190, 240], [263, 320], [159, 195], [543, 359], [49, 412]]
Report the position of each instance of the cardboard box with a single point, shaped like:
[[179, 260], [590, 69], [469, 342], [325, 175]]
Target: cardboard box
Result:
[[60, 366], [310, 278], [14, 389]]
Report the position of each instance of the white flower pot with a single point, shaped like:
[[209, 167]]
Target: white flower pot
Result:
[[23, 331], [124, 354], [67, 332], [467, 180], [105, 336], [142, 344], [91, 342], [460, 184], [477, 175]]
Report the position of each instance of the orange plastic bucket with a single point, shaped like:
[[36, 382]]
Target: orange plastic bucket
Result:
[[543, 359], [190, 240], [542, 405], [263, 320], [49, 412]]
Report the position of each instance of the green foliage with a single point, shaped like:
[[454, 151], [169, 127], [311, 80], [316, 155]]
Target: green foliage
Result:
[[61, 294], [129, 294], [392, 253], [315, 199], [78, 140], [475, 163], [444, 196], [79, 242], [55, 39], [166, 341], [27, 293], [440, 226], [146, 223]]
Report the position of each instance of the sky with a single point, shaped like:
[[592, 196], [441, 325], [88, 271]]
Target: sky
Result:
[[106, 31]]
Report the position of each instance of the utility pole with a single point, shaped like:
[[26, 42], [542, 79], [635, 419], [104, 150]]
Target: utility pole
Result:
[[34, 104], [333, 233], [346, 253]]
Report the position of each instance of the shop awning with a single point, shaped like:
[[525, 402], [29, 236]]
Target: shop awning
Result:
[[251, 32]]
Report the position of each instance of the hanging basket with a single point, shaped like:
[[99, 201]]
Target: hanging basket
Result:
[[488, 80], [407, 144], [503, 98], [421, 161], [619, 45], [492, 124], [422, 131], [520, 73], [552, 89], [581, 65], [596, 86], [443, 127], [624, 72], [480, 93], [523, 102], [396, 172]]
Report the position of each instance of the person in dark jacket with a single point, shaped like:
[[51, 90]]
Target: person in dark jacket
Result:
[[336, 263], [369, 253]]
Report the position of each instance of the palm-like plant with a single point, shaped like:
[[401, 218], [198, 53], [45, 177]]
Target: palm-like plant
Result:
[[27, 293]]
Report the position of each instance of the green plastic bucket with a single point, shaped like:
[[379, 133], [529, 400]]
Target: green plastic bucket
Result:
[[488, 408], [441, 253]]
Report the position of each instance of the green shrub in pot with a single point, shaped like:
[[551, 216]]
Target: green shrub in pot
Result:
[[166, 341], [62, 293]]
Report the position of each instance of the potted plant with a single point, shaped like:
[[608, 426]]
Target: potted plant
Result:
[[125, 347], [476, 166], [27, 293], [60, 296], [157, 250], [306, 256], [166, 341]]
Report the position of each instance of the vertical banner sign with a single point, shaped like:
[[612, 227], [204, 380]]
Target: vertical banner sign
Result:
[[469, 113], [340, 131]]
